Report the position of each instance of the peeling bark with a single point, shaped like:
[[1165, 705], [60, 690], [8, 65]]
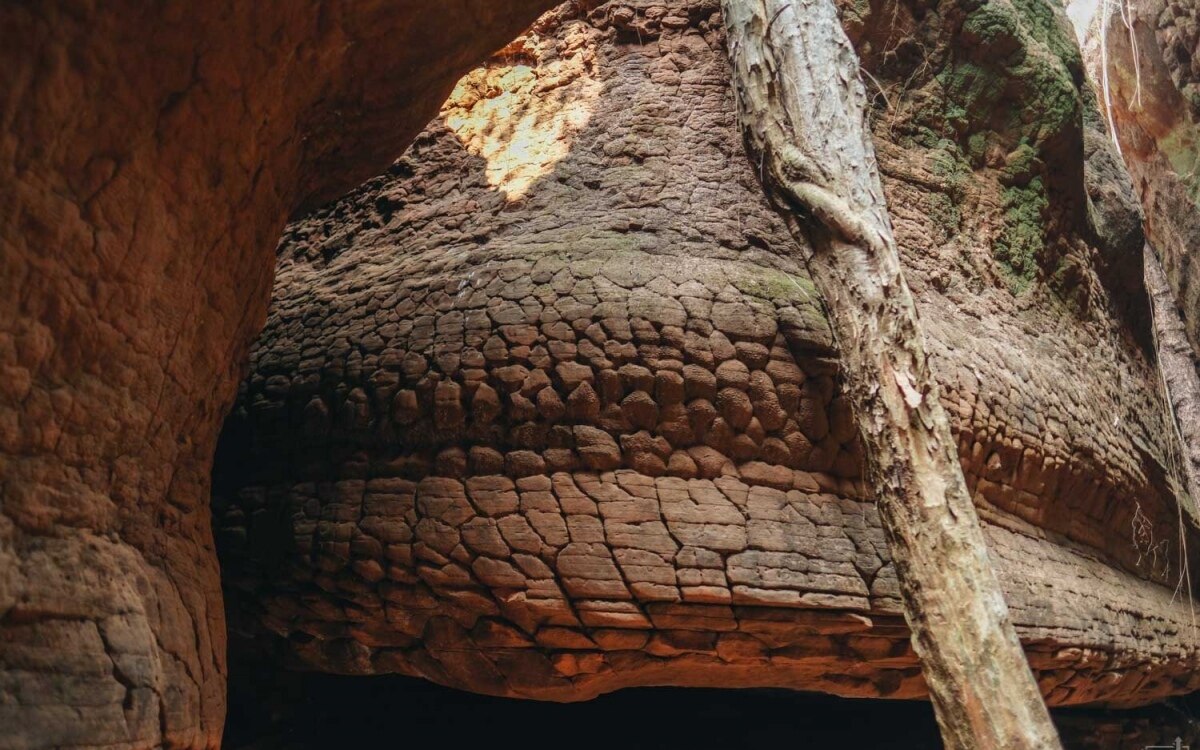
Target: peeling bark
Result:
[[802, 108]]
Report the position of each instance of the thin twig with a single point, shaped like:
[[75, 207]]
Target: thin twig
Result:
[[774, 18]]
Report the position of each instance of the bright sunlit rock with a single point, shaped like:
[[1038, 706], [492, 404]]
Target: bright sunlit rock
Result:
[[519, 126]]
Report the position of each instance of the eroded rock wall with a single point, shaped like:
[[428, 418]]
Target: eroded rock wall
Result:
[[1143, 61], [1153, 104], [551, 409], [149, 157]]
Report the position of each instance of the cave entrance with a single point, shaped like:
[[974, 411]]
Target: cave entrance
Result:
[[327, 711], [271, 709]]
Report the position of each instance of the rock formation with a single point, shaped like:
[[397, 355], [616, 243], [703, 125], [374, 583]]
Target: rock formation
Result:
[[550, 409], [151, 156], [1143, 57], [1153, 82]]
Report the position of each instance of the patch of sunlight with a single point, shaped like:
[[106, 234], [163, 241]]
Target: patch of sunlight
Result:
[[1081, 13], [518, 125]]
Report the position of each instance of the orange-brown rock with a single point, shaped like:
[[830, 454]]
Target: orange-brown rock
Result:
[[1150, 96], [649, 476], [1153, 85], [149, 157]]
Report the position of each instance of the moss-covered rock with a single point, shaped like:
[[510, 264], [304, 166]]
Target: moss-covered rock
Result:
[[1022, 241]]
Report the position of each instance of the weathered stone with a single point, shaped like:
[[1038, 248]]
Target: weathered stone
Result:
[[703, 477], [152, 155], [597, 448]]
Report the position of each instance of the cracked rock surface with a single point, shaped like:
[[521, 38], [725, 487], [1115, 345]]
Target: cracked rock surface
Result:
[[150, 154], [551, 408]]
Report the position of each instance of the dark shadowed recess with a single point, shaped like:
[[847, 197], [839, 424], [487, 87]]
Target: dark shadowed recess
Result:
[[385, 711], [272, 710]]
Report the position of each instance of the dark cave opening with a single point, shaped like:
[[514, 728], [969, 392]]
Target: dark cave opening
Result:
[[275, 710], [328, 711]]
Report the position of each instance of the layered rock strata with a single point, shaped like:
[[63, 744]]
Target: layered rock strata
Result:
[[550, 408]]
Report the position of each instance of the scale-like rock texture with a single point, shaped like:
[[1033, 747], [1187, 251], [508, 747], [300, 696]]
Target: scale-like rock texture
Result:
[[150, 154], [550, 408]]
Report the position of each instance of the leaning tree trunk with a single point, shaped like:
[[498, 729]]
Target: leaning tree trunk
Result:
[[802, 108]]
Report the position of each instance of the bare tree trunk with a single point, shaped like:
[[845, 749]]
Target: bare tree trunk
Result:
[[803, 110]]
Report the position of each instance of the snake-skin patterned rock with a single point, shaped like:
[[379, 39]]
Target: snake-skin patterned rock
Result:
[[552, 408]]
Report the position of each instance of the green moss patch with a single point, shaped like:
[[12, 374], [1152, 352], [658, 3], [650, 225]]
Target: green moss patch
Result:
[[1022, 240]]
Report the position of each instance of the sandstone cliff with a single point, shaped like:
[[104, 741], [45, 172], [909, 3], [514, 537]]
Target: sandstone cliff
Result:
[[550, 409], [151, 154], [1142, 61]]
